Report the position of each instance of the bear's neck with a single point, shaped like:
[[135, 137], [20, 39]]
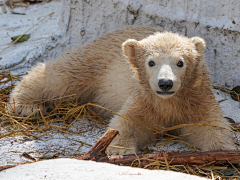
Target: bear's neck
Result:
[[185, 104]]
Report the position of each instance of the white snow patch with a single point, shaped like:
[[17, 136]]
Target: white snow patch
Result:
[[69, 169]]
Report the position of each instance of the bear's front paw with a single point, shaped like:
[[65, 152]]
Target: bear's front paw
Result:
[[25, 110], [121, 150]]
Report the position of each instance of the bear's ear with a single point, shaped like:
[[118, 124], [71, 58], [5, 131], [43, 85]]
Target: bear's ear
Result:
[[129, 48], [199, 44]]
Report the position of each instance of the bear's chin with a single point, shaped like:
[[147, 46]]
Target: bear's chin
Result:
[[165, 95]]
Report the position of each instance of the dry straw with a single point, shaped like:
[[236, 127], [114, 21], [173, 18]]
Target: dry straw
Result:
[[68, 111]]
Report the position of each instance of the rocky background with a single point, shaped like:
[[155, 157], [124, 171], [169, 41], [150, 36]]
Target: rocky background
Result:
[[80, 21]]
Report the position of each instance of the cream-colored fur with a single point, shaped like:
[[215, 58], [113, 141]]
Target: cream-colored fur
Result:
[[99, 72]]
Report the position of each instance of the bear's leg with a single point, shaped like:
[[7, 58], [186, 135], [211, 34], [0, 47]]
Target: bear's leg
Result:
[[27, 96], [131, 137], [209, 138], [43, 84]]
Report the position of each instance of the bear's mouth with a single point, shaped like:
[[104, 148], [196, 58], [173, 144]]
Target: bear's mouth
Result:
[[165, 93]]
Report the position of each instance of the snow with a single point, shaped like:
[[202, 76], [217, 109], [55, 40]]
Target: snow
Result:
[[70, 169]]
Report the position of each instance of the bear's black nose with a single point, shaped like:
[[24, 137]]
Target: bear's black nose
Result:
[[165, 84]]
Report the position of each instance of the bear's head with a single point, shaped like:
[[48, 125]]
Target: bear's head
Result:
[[165, 62]]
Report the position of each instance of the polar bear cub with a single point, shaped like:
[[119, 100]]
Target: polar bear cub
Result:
[[159, 81]]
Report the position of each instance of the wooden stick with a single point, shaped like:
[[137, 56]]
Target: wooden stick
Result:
[[100, 145], [6, 167], [170, 158], [176, 158]]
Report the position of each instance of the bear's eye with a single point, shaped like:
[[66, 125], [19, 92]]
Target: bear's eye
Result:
[[151, 63], [180, 64]]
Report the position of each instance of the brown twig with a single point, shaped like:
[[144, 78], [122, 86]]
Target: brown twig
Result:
[[177, 158], [6, 167], [100, 145]]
